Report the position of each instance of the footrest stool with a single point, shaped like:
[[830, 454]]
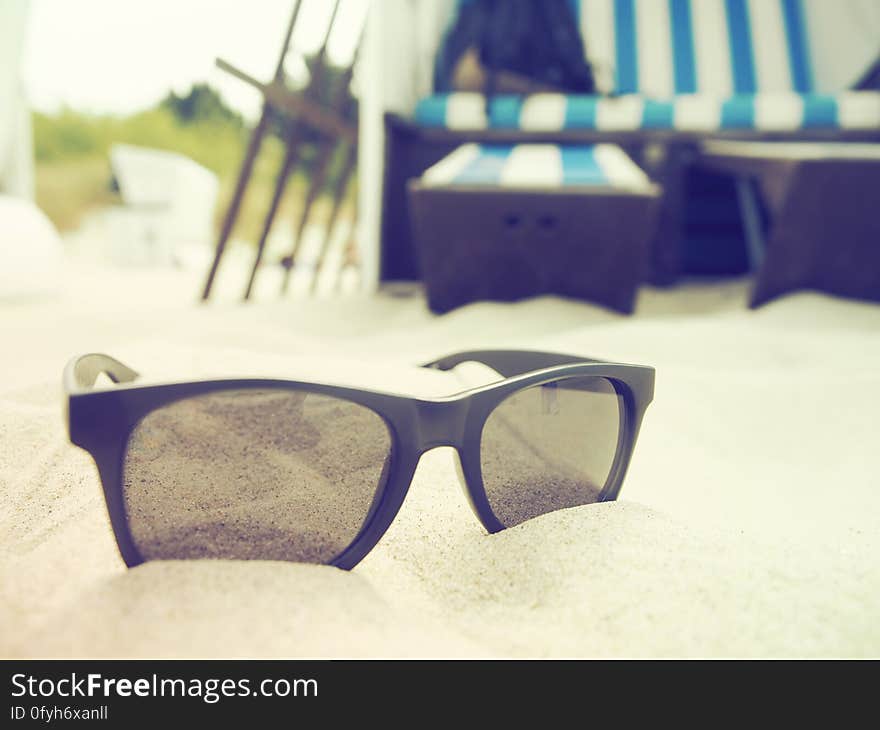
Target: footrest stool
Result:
[[505, 222]]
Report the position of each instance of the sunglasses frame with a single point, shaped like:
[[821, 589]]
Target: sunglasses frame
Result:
[[101, 420]]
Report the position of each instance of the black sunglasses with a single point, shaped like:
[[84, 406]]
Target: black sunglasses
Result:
[[290, 470]]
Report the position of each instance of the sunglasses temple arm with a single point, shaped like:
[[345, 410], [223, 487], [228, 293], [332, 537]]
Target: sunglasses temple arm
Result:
[[508, 362], [82, 372]]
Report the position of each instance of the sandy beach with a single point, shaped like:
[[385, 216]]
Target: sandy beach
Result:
[[747, 525]]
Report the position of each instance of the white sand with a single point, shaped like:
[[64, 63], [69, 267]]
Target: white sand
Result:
[[747, 525]]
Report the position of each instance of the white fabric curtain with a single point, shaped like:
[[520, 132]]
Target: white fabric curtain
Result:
[[16, 147], [395, 71]]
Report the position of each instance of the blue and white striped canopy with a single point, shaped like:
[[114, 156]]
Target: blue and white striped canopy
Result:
[[537, 166], [697, 65], [722, 47]]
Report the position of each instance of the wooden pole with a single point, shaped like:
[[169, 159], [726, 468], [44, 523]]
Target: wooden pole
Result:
[[339, 190], [247, 164], [293, 142], [319, 174]]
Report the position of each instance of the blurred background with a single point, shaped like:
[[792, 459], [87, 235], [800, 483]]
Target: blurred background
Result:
[[104, 88], [100, 72], [133, 127]]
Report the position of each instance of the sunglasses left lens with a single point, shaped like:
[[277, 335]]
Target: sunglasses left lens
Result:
[[268, 474]]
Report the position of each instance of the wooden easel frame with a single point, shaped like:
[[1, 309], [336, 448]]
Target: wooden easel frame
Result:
[[304, 113]]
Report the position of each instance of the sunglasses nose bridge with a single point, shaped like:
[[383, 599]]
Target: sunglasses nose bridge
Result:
[[441, 423]]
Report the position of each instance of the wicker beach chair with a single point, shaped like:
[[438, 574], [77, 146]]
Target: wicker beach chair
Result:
[[681, 71]]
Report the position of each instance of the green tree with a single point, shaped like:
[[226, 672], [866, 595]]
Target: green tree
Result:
[[201, 104]]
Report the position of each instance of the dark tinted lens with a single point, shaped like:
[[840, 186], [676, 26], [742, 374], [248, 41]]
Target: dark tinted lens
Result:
[[550, 446], [253, 474]]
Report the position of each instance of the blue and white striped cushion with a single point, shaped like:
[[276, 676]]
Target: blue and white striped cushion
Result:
[[686, 112], [537, 165]]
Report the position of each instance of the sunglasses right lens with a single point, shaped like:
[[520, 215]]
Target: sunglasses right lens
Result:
[[264, 474], [550, 446]]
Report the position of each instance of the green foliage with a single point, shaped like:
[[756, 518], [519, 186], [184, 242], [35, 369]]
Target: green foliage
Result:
[[72, 151], [201, 104], [69, 135]]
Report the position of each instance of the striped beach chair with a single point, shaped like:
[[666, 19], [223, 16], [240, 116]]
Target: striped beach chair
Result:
[[681, 65]]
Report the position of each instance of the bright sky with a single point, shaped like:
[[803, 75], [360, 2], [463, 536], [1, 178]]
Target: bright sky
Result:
[[117, 56]]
